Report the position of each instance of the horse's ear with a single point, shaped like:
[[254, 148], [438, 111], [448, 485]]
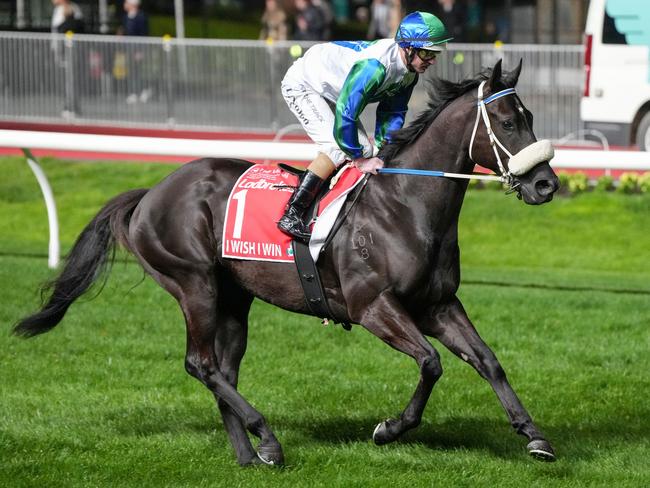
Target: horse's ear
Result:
[[495, 76], [513, 76]]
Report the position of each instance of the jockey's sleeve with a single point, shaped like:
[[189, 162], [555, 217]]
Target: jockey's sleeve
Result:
[[391, 113], [363, 81]]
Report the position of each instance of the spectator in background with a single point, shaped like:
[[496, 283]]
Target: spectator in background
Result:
[[474, 25], [497, 27], [362, 15], [309, 22], [395, 16], [274, 22], [328, 17], [454, 15], [66, 17], [135, 21], [380, 20]]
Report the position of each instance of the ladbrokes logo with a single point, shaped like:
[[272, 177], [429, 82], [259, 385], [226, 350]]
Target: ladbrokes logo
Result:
[[258, 185]]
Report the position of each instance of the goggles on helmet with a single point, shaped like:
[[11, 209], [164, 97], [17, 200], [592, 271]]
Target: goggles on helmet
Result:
[[426, 54]]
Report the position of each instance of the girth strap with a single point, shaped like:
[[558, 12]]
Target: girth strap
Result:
[[312, 285]]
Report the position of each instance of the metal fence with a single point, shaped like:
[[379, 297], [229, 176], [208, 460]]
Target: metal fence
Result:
[[230, 85]]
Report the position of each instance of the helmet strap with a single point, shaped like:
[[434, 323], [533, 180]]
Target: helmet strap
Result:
[[410, 54]]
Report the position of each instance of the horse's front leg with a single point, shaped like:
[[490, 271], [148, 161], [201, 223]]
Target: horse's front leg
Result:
[[387, 319], [450, 325]]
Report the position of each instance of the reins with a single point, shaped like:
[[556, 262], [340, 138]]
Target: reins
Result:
[[481, 112], [441, 174]]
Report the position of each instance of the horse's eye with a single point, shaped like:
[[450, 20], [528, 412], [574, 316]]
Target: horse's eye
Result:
[[508, 125]]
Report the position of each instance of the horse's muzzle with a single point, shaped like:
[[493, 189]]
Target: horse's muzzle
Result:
[[538, 185]]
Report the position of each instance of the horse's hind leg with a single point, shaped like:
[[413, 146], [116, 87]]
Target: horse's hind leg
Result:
[[230, 346], [452, 327], [196, 290], [199, 303]]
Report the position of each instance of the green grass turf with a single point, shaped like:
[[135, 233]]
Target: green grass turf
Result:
[[103, 400]]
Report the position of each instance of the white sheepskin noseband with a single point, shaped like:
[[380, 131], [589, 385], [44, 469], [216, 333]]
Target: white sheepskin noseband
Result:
[[530, 156]]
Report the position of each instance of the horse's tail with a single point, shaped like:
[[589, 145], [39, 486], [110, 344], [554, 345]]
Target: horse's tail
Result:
[[90, 257]]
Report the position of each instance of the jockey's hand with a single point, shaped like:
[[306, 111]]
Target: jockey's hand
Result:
[[368, 165]]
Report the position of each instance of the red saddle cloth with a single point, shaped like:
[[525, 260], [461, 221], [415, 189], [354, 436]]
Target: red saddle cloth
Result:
[[256, 203]]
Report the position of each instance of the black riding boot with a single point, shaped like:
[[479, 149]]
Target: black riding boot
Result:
[[292, 222]]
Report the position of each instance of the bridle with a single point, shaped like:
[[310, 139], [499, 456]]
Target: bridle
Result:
[[481, 112], [518, 164]]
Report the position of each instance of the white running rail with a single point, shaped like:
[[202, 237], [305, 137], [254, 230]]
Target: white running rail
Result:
[[260, 151]]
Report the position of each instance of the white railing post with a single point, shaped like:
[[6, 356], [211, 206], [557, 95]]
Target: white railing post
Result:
[[54, 248]]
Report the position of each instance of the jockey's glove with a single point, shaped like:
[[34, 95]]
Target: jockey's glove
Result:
[[368, 165]]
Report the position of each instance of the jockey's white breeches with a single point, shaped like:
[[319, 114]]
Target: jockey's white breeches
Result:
[[316, 115]]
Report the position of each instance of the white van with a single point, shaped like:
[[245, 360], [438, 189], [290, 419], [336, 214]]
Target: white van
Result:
[[616, 97]]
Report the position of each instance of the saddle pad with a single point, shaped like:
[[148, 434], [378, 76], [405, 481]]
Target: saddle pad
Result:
[[256, 203]]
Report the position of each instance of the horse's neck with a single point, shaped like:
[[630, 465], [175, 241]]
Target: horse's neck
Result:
[[440, 199], [444, 144]]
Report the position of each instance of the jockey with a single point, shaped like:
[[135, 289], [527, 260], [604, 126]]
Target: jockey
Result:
[[329, 87]]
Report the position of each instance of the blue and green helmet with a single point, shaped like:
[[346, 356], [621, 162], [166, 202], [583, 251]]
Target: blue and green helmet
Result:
[[422, 30]]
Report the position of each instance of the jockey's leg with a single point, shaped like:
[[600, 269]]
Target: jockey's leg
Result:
[[292, 222], [317, 118]]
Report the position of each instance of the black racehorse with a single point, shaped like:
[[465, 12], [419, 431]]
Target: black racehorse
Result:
[[401, 286]]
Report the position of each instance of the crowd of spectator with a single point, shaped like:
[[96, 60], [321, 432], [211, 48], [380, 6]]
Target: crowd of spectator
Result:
[[303, 20], [67, 17], [126, 65], [312, 20]]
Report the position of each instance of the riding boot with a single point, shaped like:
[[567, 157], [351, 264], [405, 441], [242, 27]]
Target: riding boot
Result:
[[292, 222]]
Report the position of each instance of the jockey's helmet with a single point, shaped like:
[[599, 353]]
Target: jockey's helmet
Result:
[[422, 30]]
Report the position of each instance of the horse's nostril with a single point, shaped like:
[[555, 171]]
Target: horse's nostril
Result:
[[545, 187]]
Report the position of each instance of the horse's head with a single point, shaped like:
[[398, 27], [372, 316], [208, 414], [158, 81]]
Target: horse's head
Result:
[[503, 140]]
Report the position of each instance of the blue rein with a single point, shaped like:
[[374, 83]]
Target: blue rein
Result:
[[408, 171], [440, 174], [443, 174]]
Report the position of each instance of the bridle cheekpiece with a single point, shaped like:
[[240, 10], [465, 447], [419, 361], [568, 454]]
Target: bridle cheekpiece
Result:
[[524, 160], [481, 111]]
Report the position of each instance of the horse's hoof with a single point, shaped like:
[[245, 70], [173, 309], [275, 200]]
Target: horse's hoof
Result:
[[541, 449], [253, 461], [381, 435], [271, 455]]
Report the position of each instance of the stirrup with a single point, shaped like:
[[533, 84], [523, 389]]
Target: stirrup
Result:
[[295, 228]]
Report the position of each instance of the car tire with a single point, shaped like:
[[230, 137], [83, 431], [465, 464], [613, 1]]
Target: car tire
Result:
[[643, 133]]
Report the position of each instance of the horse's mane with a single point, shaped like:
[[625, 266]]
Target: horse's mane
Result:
[[441, 93]]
